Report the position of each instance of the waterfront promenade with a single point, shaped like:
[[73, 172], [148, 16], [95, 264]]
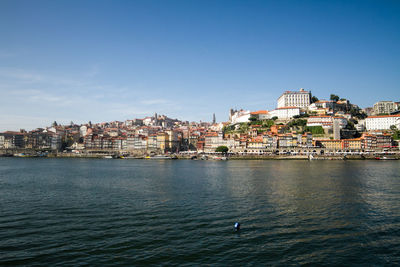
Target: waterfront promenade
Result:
[[317, 155]]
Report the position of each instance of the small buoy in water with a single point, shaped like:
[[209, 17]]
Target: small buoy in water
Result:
[[237, 226]]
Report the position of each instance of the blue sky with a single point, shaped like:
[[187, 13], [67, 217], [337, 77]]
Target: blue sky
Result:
[[116, 60]]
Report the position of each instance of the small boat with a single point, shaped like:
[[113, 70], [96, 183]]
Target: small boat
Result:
[[108, 157], [220, 158], [21, 155], [159, 157], [385, 158], [204, 157], [133, 157]]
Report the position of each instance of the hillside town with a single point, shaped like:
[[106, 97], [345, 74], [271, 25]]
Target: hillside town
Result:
[[300, 124]]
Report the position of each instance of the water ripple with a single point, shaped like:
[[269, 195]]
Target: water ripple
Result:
[[182, 213]]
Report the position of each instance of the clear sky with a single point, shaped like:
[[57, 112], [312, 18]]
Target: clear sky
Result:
[[116, 60]]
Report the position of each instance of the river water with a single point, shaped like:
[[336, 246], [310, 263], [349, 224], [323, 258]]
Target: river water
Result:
[[164, 212]]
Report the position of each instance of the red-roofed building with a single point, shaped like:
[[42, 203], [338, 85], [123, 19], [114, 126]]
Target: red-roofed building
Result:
[[382, 122]]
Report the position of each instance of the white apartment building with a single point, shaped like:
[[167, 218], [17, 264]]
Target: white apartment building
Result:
[[384, 107], [301, 99], [382, 122]]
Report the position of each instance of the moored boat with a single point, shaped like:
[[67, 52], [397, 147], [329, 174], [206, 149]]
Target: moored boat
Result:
[[385, 158], [159, 157]]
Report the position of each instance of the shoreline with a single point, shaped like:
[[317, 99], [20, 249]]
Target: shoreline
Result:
[[231, 157]]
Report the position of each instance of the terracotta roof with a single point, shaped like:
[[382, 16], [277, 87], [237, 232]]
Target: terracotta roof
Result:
[[354, 139], [383, 116], [257, 139], [324, 116], [259, 112], [288, 108]]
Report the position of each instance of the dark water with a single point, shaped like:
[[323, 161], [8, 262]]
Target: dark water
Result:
[[140, 212]]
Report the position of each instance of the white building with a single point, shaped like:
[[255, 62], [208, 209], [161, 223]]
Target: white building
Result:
[[213, 140], [148, 121], [301, 99], [217, 127], [284, 112], [360, 126], [239, 116], [261, 114], [83, 130], [1, 141], [326, 121], [382, 122]]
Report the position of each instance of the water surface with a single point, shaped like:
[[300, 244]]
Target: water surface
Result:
[[164, 212]]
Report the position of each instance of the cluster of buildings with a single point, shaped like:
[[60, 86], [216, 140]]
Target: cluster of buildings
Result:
[[300, 123]]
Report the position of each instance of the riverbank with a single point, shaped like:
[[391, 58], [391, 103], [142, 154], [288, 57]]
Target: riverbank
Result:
[[213, 157]]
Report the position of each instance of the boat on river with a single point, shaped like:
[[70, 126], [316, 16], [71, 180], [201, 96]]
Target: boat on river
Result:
[[385, 158], [161, 157], [219, 158]]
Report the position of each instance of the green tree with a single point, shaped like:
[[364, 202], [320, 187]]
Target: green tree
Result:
[[252, 118], [268, 123], [314, 99], [244, 127], [297, 122], [66, 142], [334, 97], [222, 149], [274, 118], [314, 129], [350, 125], [396, 135], [357, 113], [396, 132]]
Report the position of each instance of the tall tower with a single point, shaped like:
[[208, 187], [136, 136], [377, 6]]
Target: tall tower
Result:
[[213, 118], [336, 129]]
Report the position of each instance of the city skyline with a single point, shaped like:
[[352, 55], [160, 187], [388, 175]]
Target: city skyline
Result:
[[105, 61]]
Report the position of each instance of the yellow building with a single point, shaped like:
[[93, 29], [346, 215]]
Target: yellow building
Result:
[[352, 144], [162, 140], [334, 144]]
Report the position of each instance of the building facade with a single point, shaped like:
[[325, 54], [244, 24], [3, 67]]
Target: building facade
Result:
[[382, 122], [301, 99], [285, 112], [384, 107]]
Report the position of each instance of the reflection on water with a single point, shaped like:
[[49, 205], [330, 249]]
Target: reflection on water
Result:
[[175, 212]]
